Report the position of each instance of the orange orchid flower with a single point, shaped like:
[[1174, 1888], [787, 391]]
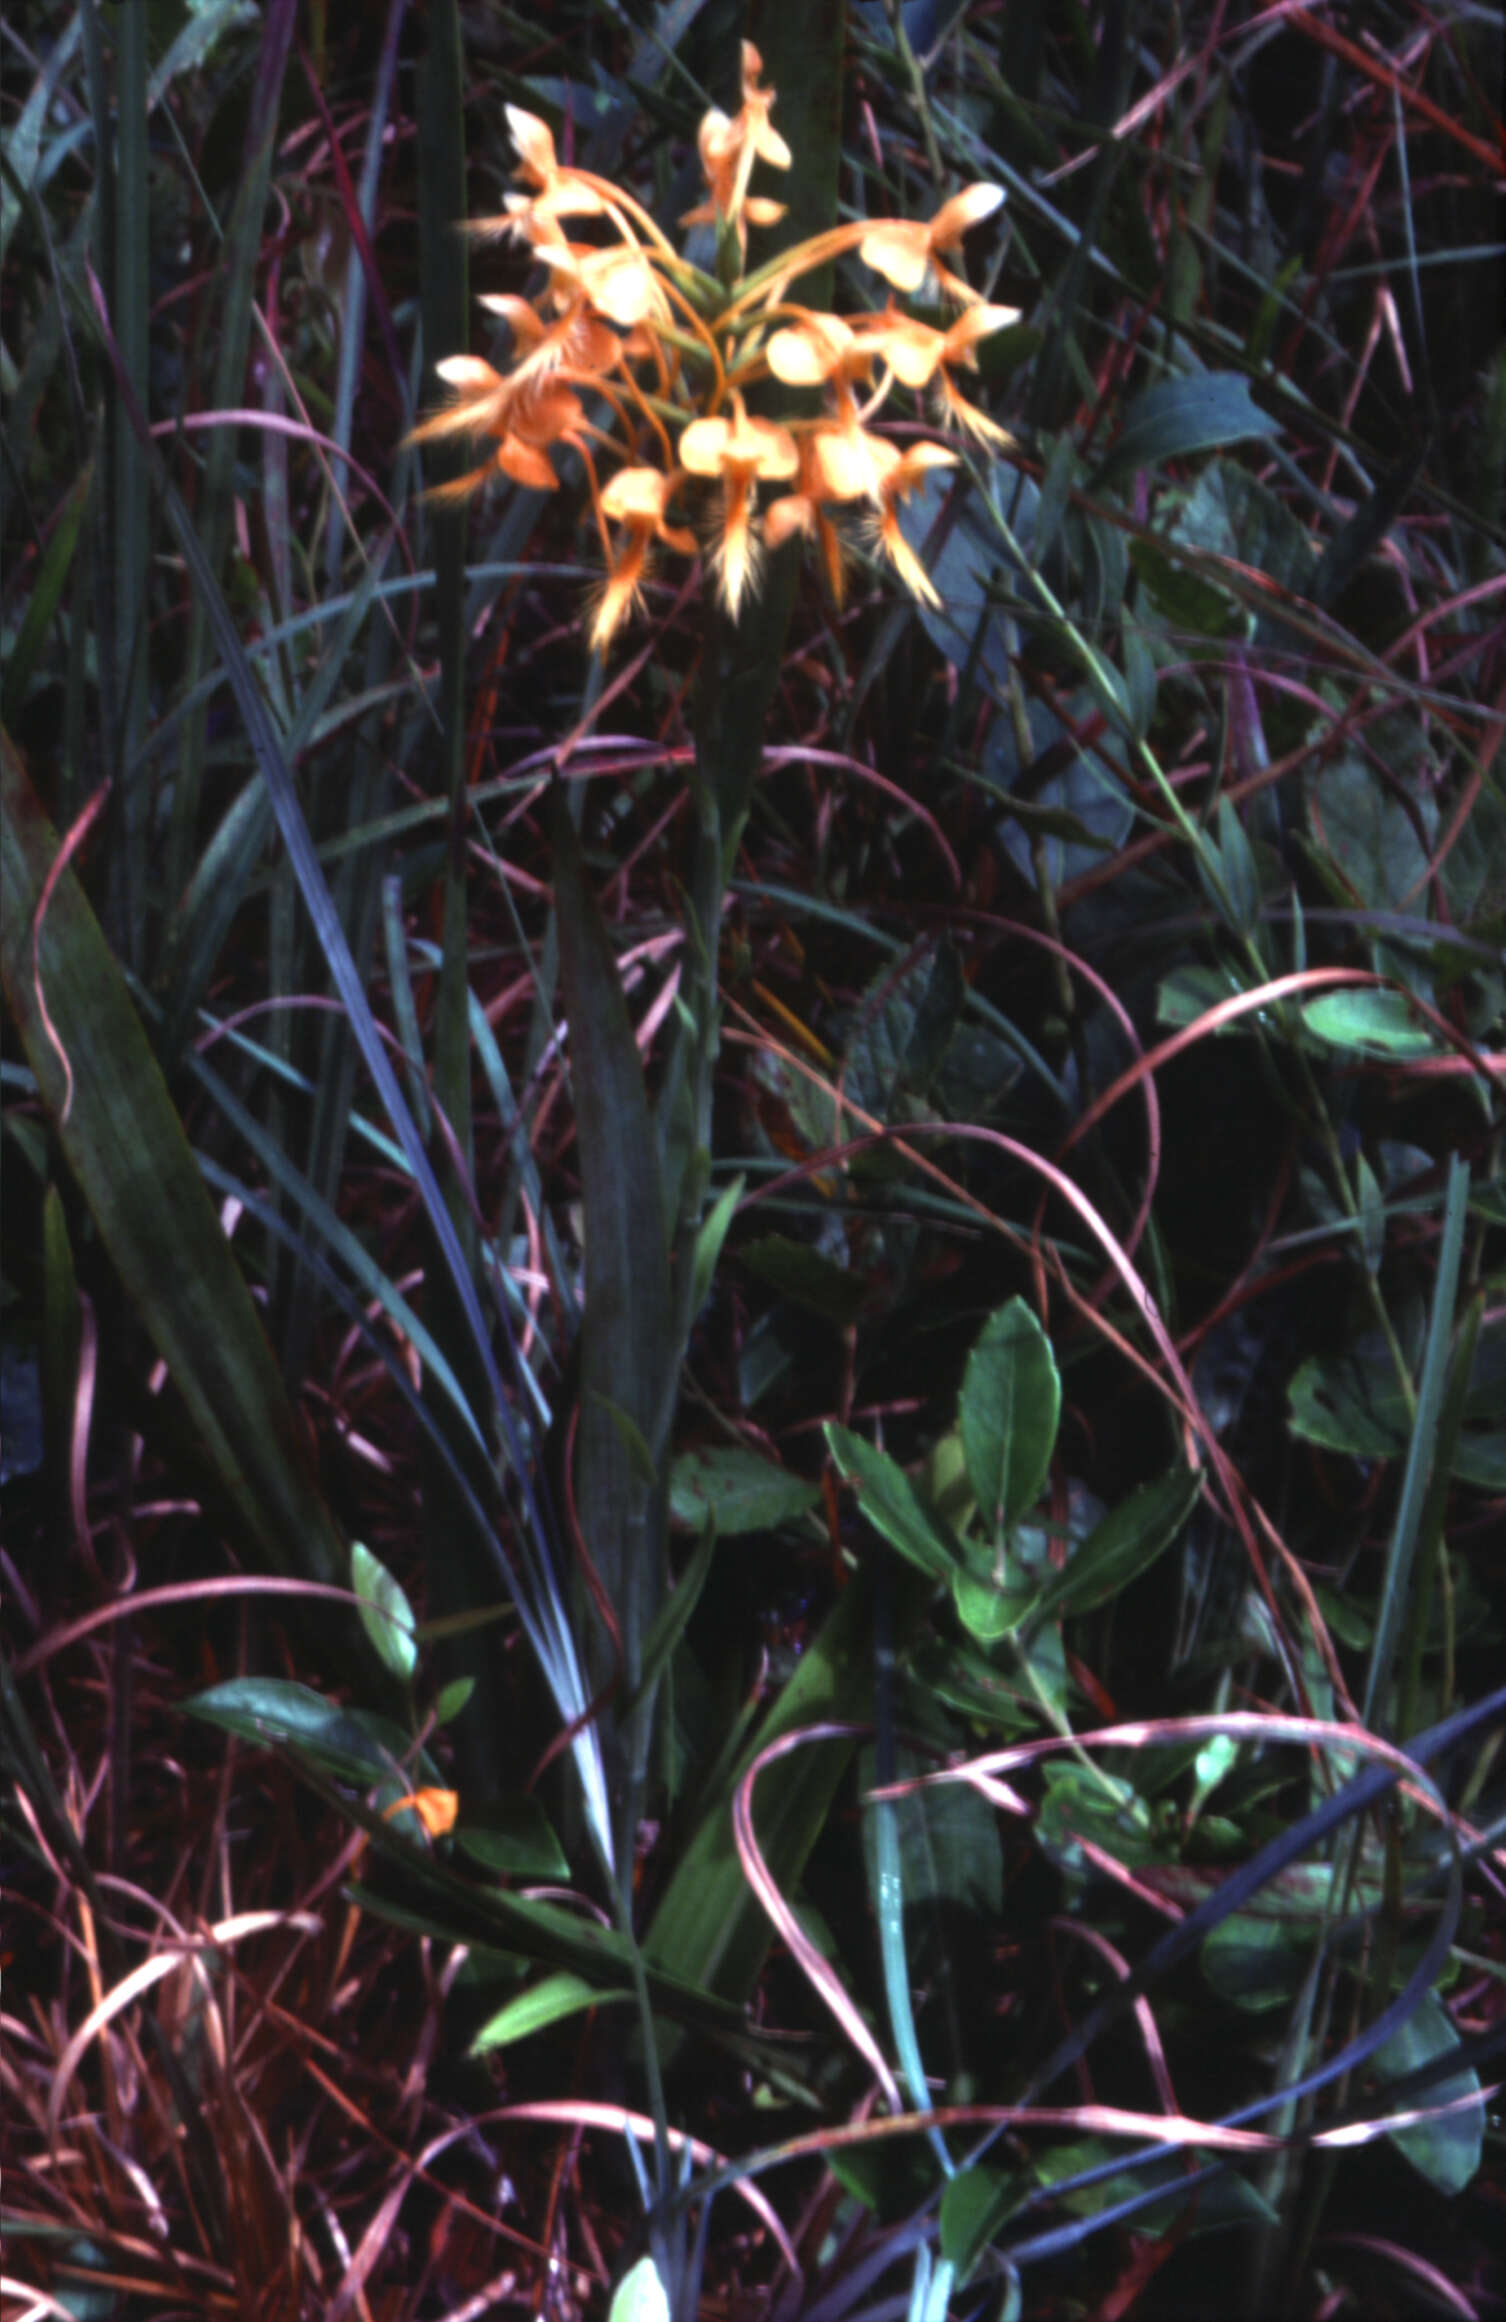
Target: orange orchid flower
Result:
[[906, 251], [626, 317], [524, 415], [742, 452], [922, 357], [903, 472], [577, 342], [617, 282], [801, 511], [477, 403], [637, 499], [822, 349], [556, 192], [728, 150]]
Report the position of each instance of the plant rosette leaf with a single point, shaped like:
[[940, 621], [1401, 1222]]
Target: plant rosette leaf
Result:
[[949, 1847], [515, 1840], [1257, 1963], [974, 2205], [1123, 1545], [1352, 1403], [386, 1614], [739, 1488], [1008, 1413], [1370, 1022], [893, 1506], [809, 1279], [352, 1745], [1076, 1806], [965, 557], [1446, 2152]]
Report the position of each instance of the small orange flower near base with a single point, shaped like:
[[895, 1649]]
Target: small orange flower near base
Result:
[[436, 1809]]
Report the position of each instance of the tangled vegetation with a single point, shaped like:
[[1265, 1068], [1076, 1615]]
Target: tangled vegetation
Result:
[[754, 1340]]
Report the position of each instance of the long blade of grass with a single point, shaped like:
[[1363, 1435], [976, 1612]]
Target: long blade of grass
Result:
[[125, 1145], [42, 603], [231, 859], [237, 274], [628, 1364], [1403, 1545]]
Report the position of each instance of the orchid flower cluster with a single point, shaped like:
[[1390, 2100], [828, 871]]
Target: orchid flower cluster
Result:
[[671, 352]]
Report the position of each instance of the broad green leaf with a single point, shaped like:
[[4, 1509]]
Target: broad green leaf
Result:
[[890, 2178], [1124, 1544], [1081, 810], [1258, 1963], [1076, 1806], [1375, 833], [1481, 1460], [800, 1273], [1373, 1022], [974, 2205], [1229, 514], [452, 1698], [1179, 417], [1447, 2152], [545, 2003], [155, 1217], [1187, 602], [989, 1612], [709, 1240], [1237, 875], [1057, 2165], [515, 1839], [386, 1615], [1189, 992], [1351, 1402], [992, 1690], [1372, 1208], [967, 561], [709, 1927], [739, 1488], [900, 1031], [354, 1745], [894, 1507], [640, 2295], [1008, 1413], [948, 1840]]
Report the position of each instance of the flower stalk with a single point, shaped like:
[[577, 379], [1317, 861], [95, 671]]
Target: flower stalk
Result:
[[658, 376]]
